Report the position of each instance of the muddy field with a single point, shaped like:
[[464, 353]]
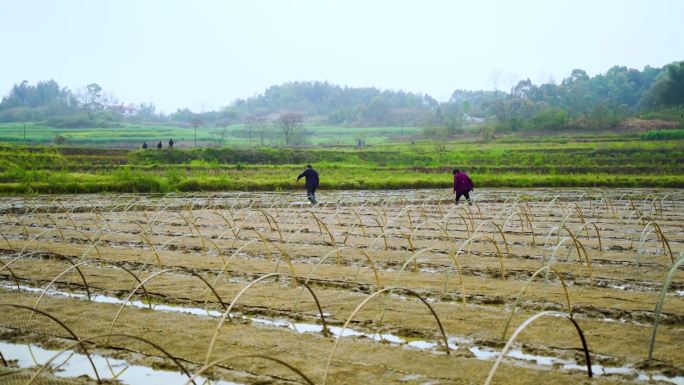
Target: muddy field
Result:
[[367, 288]]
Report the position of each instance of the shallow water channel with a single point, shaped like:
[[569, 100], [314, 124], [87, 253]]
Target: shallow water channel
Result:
[[72, 364]]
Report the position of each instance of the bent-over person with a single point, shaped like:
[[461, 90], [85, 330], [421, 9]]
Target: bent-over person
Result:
[[463, 185]]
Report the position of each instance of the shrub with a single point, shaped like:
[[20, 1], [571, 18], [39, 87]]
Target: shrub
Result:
[[663, 135], [86, 120], [550, 119]]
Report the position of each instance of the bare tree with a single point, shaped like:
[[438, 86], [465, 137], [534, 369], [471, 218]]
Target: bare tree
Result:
[[196, 122], [219, 136], [256, 123], [290, 125]]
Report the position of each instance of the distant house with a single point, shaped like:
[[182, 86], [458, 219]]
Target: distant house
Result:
[[125, 110], [472, 119]]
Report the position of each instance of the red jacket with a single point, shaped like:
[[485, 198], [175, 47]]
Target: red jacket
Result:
[[462, 183]]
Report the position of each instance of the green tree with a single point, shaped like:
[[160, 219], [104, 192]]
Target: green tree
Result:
[[668, 89], [93, 97], [523, 90]]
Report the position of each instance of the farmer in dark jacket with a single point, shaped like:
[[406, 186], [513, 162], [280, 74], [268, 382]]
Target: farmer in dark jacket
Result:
[[462, 185], [311, 177]]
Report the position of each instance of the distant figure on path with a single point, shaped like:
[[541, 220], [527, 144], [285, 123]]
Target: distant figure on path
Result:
[[159, 145], [144, 145], [463, 185], [311, 177], [170, 144]]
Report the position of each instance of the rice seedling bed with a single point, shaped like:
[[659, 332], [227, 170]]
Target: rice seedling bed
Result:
[[368, 287]]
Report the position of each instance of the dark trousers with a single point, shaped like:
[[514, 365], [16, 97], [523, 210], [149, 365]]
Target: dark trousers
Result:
[[465, 194], [311, 193]]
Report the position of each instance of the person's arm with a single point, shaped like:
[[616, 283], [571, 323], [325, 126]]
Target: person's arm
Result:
[[301, 175]]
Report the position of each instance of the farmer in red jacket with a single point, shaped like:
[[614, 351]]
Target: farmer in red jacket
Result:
[[462, 185]]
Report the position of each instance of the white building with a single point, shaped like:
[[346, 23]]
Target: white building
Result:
[[125, 110]]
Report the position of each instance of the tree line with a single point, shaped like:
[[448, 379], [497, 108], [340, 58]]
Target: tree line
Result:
[[579, 101], [57, 106]]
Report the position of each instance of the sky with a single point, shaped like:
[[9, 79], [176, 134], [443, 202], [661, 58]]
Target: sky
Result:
[[204, 54]]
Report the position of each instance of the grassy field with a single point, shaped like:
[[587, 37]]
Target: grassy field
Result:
[[605, 162], [132, 136]]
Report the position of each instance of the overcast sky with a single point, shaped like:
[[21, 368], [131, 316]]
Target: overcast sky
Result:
[[204, 54]]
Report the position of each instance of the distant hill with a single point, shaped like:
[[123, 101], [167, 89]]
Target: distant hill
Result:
[[578, 102]]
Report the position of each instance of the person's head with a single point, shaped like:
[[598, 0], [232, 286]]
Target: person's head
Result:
[[456, 171], [308, 166]]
